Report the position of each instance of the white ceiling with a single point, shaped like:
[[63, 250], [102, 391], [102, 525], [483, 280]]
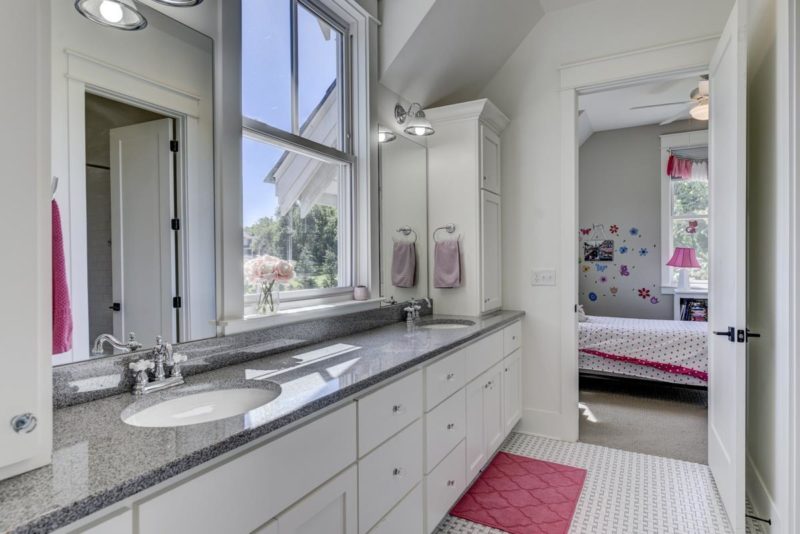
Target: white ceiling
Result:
[[553, 5], [611, 110], [455, 48]]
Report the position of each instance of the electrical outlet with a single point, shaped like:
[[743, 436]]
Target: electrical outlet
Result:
[[543, 278]]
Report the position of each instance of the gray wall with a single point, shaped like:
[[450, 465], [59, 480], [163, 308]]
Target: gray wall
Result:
[[619, 185]]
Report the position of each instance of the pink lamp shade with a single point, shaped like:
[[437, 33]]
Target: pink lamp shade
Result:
[[684, 258]]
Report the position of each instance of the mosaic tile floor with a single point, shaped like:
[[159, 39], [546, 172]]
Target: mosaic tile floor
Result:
[[625, 492]]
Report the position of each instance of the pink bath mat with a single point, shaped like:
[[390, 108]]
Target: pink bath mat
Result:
[[523, 496]]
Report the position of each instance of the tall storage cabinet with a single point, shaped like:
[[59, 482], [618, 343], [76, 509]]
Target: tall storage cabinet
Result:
[[464, 188]]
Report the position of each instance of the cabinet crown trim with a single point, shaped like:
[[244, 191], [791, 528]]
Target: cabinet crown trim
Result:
[[482, 109]]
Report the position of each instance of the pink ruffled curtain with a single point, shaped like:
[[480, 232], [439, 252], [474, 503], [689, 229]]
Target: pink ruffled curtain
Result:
[[686, 169]]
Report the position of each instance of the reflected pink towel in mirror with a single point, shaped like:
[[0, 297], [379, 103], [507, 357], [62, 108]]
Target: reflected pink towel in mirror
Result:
[[447, 264], [62, 311], [404, 264]]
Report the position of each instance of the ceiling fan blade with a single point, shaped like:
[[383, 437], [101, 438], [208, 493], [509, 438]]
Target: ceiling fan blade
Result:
[[682, 102], [677, 116]]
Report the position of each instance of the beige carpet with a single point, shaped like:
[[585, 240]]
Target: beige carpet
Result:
[[658, 420]]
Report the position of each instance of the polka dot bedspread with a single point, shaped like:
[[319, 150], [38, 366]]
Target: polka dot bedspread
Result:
[[670, 351]]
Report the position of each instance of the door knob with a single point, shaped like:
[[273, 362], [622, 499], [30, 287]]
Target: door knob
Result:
[[743, 336], [730, 333]]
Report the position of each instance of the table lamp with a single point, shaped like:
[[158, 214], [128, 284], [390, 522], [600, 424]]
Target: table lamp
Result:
[[683, 258]]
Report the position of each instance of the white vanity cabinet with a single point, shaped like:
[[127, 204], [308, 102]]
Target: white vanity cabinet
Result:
[[392, 462], [464, 189]]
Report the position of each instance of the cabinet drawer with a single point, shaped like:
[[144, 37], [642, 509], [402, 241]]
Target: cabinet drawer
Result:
[[387, 411], [444, 428], [406, 518], [248, 491], [443, 487], [118, 523], [386, 474], [483, 354], [444, 378], [512, 338]]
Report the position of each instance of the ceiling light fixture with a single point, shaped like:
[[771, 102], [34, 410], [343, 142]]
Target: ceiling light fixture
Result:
[[120, 14], [417, 123], [179, 3], [700, 110], [386, 136]]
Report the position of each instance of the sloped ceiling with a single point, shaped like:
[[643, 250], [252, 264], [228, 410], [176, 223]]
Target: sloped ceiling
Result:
[[439, 52]]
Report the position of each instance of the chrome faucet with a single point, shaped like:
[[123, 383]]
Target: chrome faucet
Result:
[[412, 311], [164, 362], [130, 346]]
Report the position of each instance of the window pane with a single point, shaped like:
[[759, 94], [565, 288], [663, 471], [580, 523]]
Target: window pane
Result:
[[319, 100], [689, 197], [292, 211], [266, 62], [693, 233]]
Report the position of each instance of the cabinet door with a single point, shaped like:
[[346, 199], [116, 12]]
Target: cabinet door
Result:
[[475, 441], [512, 390], [331, 509], [490, 252], [490, 160], [493, 424]]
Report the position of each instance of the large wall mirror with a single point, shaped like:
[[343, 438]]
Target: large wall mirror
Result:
[[133, 153], [404, 217]]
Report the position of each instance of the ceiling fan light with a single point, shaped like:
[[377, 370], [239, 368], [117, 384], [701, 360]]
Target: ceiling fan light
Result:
[[120, 14], [700, 111]]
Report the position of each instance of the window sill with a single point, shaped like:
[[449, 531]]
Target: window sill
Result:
[[294, 315], [671, 290]]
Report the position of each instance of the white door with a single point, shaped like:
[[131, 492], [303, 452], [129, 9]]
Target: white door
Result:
[[727, 243], [490, 252], [475, 440], [512, 390], [330, 509], [142, 239], [493, 424]]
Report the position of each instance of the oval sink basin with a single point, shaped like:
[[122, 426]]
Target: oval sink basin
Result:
[[445, 324], [202, 407]]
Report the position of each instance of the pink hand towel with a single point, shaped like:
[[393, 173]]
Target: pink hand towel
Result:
[[447, 264], [404, 264], [62, 311]]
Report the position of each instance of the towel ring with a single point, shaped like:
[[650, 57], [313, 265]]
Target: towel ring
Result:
[[449, 228], [406, 231]]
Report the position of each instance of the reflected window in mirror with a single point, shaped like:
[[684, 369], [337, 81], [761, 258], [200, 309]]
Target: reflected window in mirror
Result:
[[297, 166]]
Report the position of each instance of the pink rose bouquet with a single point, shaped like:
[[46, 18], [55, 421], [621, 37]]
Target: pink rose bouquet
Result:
[[265, 271]]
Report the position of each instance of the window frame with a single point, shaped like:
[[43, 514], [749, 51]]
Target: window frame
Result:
[[675, 142], [346, 156]]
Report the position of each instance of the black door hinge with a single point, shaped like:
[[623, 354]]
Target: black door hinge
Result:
[[176, 302], [116, 306], [175, 224], [173, 146]]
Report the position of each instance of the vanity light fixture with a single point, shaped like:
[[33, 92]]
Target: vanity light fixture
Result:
[[417, 124], [179, 3], [386, 136], [120, 14]]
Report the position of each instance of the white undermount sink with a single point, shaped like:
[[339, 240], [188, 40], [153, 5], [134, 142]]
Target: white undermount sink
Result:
[[201, 407], [445, 324]]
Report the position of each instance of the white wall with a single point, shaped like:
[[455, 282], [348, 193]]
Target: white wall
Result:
[[770, 357], [527, 90]]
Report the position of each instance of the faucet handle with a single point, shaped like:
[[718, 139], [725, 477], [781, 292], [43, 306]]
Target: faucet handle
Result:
[[141, 365], [132, 343], [179, 358]]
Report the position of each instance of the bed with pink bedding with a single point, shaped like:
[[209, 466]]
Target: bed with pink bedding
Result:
[[667, 351]]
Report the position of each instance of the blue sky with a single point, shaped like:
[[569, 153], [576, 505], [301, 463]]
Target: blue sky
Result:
[[266, 87]]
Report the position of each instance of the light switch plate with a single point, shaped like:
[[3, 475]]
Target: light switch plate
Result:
[[545, 277]]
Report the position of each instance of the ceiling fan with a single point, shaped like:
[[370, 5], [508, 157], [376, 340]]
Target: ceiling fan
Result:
[[697, 105]]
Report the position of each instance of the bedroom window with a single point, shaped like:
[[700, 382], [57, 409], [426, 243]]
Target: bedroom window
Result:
[[689, 225], [297, 158]]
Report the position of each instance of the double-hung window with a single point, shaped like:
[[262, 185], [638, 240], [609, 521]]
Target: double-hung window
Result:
[[297, 158]]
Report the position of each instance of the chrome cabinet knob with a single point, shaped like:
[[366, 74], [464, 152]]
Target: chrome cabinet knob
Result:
[[451, 426], [24, 423], [451, 482]]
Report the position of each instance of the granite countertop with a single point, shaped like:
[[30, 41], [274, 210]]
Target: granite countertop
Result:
[[99, 460]]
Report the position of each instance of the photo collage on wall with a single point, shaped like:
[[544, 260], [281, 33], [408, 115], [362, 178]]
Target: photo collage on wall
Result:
[[610, 259]]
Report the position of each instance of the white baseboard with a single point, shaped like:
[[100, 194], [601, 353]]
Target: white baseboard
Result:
[[547, 424], [761, 499]]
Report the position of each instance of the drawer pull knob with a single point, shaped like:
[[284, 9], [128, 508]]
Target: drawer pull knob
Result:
[[397, 408], [451, 482], [397, 471], [451, 426], [450, 376]]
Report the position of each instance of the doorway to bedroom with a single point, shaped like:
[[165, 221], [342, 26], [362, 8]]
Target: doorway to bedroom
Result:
[[643, 213]]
